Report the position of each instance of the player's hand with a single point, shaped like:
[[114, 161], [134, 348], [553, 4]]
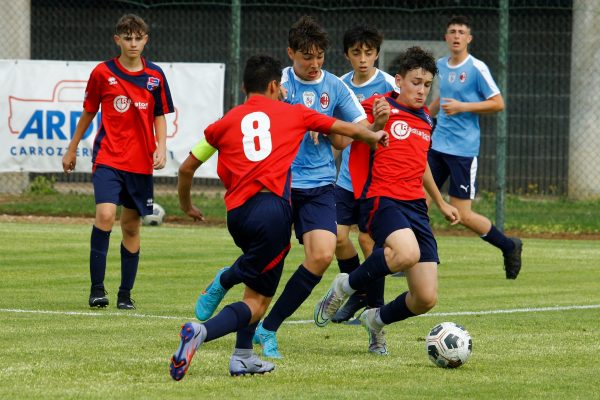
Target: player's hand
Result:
[[451, 106], [381, 112], [160, 158], [315, 137], [69, 161], [195, 213], [450, 213], [383, 139]]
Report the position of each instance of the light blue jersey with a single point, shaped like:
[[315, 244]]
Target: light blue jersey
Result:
[[314, 165], [471, 82], [380, 83]]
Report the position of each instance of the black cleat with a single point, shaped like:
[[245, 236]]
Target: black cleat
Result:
[[125, 302], [354, 303], [512, 260], [98, 298]]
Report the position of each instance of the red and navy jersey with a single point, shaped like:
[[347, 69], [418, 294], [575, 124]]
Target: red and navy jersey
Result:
[[257, 142], [395, 171], [129, 102]]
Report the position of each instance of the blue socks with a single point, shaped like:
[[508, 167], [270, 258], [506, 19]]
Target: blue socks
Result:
[[98, 250], [244, 337], [232, 318], [372, 269], [396, 310], [348, 265], [499, 239], [129, 267]]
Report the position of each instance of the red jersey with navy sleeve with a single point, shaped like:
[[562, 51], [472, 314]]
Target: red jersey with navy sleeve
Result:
[[129, 102], [257, 143], [395, 171]]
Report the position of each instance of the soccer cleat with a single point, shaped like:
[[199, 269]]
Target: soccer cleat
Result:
[[209, 299], [377, 343], [98, 298], [240, 365], [192, 335], [354, 303], [331, 302], [268, 340], [512, 260], [368, 319], [125, 302]]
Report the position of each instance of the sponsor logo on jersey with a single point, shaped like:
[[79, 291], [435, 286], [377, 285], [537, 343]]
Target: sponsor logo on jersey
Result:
[[451, 77], [324, 100], [112, 81], [395, 111], [463, 77], [401, 130], [308, 98], [152, 83], [121, 103], [140, 105]]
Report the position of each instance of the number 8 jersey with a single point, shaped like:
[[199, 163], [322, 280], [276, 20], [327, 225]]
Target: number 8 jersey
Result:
[[257, 142]]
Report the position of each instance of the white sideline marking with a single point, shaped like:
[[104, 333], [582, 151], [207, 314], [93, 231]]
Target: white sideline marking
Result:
[[442, 314]]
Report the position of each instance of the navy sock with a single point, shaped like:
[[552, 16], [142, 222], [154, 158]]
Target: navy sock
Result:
[[372, 269], [348, 265], [230, 278], [244, 337], [297, 289], [98, 250], [395, 311], [499, 239], [129, 267], [375, 293], [233, 317]]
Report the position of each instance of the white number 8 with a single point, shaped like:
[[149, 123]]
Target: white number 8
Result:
[[257, 137]]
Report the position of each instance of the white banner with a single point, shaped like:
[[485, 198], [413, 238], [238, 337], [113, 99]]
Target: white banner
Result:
[[41, 102]]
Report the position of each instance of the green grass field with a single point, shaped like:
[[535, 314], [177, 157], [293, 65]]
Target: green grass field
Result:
[[533, 338]]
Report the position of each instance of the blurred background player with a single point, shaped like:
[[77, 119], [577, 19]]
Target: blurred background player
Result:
[[395, 212], [134, 96], [257, 142], [361, 48], [467, 89]]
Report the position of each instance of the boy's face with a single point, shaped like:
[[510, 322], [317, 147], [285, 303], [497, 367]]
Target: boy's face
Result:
[[307, 64], [362, 58], [414, 87], [131, 44], [458, 38]]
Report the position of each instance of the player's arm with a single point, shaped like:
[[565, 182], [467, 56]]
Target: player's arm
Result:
[[492, 105], [448, 211], [381, 113], [360, 132], [160, 132], [434, 107], [199, 154], [69, 160]]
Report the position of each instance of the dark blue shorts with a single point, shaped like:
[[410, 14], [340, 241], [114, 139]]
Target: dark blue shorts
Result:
[[346, 207], [314, 209], [128, 189], [461, 170], [262, 228], [385, 216]]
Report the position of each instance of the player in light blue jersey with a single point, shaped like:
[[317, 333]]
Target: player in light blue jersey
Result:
[[313, 170], [467, 89], [361, 48]]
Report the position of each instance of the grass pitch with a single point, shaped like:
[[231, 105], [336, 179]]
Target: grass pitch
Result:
[[536, 337]]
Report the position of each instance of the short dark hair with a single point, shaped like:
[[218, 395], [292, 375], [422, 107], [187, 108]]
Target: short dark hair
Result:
[[306, 33], [415, 58], [362, 35], [459, 20], [260, 70], [130, 24]]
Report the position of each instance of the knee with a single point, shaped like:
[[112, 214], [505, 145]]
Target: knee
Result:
[[130, 228], [401, 260], [425, 301], [317, 262], [341, 241], [104, 218]]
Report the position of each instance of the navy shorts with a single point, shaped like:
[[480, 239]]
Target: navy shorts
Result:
[[346, 207], [128, 189], [385, 216], [314, 209], [461, 170], [262, 228]]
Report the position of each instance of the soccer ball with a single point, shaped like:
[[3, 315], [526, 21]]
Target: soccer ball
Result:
[[156, 218], [448, 345]]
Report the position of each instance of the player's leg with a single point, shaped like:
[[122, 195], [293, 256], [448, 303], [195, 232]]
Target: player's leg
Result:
[[130, 256], [462, 189]]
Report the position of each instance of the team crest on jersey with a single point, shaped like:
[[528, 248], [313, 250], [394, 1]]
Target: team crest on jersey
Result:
[[121, 103], [324, 100], [462, 77], [112, 81], [451, 77], [152, 83], [308, 98], [360, 98], [400, 130]]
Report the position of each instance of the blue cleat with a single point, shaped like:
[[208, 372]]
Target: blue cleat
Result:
[[211, 297], [192, 335], [268, 340]]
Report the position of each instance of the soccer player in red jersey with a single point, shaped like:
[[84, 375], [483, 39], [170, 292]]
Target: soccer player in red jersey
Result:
[[134, 97], [396, 211], [257, 143]]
